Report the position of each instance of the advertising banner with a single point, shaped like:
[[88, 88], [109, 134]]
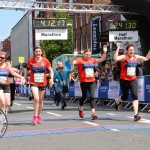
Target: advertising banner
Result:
[[95, 36], [141, 89], [77, 89], [103, 90], [147, 89], [47, 91], [71, 89], [114, 90]]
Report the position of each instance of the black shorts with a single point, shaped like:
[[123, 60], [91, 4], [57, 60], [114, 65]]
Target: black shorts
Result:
[[5, 88], [41, 88]]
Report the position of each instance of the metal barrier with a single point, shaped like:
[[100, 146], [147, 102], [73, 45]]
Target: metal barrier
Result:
[[106, 93]]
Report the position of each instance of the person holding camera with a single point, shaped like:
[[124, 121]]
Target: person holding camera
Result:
[[86, 66]]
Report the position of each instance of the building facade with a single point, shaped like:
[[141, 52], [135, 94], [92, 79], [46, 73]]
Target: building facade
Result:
[[6, 47]]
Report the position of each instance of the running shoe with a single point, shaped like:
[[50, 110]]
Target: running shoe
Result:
[[94, 116], [54, 105], [39, 119], [62, 107], [34, 120], [65, 105], [81, 113], [137, 117]]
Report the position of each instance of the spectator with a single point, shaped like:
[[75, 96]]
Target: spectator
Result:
[[116, 71], [139, 71]]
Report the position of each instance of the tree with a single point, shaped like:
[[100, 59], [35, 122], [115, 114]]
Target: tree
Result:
[[55, 48]]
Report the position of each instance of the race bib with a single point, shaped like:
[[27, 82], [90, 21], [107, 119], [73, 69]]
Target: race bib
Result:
[[39, 77], [89, 72], [11, 79], [131, 71], [3, 80]]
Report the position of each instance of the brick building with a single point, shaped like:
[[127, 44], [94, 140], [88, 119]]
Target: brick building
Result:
[[6, 46], [82, 25]]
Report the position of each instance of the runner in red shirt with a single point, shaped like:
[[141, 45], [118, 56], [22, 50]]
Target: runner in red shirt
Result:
[[38, 82], [86, 77], [5, 69], [128, 76]]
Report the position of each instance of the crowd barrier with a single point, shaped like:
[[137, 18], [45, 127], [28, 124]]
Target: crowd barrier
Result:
[[109, 91]]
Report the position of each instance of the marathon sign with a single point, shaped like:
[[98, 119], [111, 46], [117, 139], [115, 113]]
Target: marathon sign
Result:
[[51, 34], [123, 36], [95, 36]]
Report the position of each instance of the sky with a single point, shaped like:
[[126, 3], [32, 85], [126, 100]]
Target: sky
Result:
[[8, 19]]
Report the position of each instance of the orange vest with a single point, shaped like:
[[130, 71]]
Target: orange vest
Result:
[[128, 68]]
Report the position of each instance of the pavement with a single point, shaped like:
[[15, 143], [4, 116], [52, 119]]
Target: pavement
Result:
[[65, 130]]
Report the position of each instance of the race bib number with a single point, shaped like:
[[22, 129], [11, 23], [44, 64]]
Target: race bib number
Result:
[[89, 72], [11, 79], [131, 71], [3, 80], [39, 77]]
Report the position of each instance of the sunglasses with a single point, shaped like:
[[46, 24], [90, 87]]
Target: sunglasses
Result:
[[61, 68], [2, 57]]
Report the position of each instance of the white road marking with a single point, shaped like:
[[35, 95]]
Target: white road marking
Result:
[[30, 107], [144, 121], [17, 104], [141, 121], [94, 124], [110, 114], [53, 114], [115, 130]]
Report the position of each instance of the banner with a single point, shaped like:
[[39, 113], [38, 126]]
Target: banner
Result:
[[47, 91], [77, 91], [103, 90], [52, 92], [95, 36], [97, 89], [114, 90], [71, 89], [147, 89], [141, 89], [24, 89]]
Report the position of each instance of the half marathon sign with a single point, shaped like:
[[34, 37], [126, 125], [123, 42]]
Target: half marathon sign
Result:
[[123, 36], [51, 34]]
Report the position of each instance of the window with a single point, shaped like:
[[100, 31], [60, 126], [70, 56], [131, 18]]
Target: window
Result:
[[76, 21], [76, 43], [80, 42], [80, 19], [86, 41], [87, 18]]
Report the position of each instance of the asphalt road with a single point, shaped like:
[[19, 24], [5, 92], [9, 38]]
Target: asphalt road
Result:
[[65, 130]]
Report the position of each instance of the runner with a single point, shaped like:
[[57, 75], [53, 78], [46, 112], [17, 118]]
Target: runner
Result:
[[38, 82], [5, 69], [86, 77], [61, 78], [128, 76]]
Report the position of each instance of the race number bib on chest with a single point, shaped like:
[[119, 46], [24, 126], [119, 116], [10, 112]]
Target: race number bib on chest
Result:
[[131, 71], [89, 72], [39, 77], [3, 80]]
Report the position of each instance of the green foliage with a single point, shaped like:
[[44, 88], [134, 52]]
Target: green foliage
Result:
[[55, 48]]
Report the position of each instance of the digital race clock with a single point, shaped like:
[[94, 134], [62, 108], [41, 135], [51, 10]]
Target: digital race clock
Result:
[[49, 23], [121, 25]]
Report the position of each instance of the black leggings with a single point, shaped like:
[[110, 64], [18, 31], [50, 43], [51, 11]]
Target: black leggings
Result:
[[126, 85], [12, 91], [90, 86]]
